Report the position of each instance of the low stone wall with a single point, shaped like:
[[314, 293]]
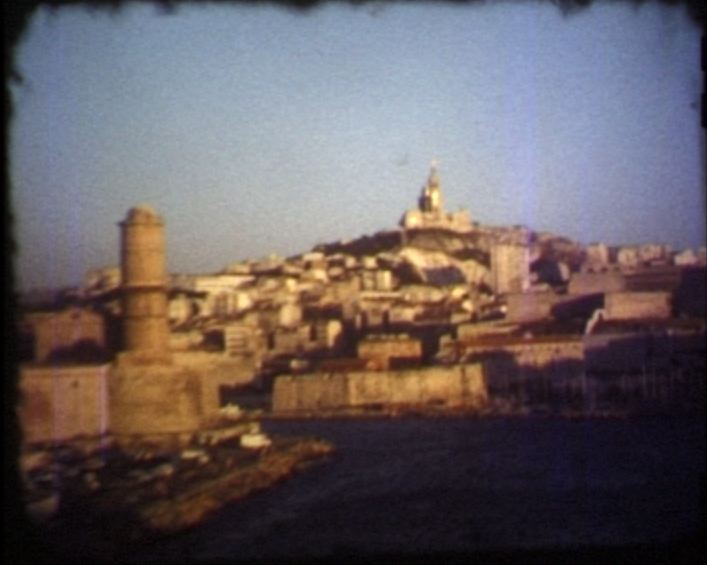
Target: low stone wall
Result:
[[59, 403], [460, 385]]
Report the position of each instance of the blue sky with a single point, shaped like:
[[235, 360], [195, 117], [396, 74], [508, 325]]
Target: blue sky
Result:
[[258, 130]]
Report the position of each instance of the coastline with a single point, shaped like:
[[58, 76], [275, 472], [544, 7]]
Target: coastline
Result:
[[107, 524], [430, 412], [191, 506]]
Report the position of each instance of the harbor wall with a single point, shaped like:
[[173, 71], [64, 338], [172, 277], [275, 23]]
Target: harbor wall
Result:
[[63, 402], [58, 403], [459, 385], [637, 305]]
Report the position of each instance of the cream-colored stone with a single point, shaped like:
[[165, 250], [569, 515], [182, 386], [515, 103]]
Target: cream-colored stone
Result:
[[460, 385]]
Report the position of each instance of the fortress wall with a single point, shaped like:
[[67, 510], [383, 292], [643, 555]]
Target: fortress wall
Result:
[[307, 392], [556, 362], [595, 283], [66, 329], [409, 388], [368, 388], [534, 354], [536, 306], [333, 394], [637, 305], [147, 400], [59, 403], [530, 306], [542, 354], [460, 385], [214, 370], [62, 402]]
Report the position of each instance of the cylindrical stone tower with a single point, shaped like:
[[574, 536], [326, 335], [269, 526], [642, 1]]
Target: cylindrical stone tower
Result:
[[149, 398], [144, 286]]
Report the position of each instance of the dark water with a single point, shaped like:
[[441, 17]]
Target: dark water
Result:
[[461, 485]]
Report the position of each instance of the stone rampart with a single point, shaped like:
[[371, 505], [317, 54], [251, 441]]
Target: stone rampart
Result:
[[214, 371], [536, 352], [537, 306], [530, 306], [637, 305], [593, 283], [63, 330], [154, 400], [59, 403], [460, 385]]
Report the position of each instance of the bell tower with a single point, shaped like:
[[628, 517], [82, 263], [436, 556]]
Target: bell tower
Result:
[[431, 198]]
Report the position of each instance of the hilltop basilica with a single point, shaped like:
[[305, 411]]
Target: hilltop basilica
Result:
[[430, 211]]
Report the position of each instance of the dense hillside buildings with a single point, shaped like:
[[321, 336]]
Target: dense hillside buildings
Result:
[[440, 289]]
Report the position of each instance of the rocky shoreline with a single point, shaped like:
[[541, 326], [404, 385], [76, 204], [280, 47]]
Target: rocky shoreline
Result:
[[492, 411], [193, 504], [99, 502], [103, 504]]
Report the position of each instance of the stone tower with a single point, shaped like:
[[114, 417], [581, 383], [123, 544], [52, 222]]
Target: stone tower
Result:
[[431, 197], [149, 397], [144, 287]]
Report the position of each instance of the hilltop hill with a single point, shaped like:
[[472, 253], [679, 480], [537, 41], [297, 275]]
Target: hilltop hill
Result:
[[442, 257]]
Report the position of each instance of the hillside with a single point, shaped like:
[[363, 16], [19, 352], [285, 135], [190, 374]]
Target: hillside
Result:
[[444, 257]]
